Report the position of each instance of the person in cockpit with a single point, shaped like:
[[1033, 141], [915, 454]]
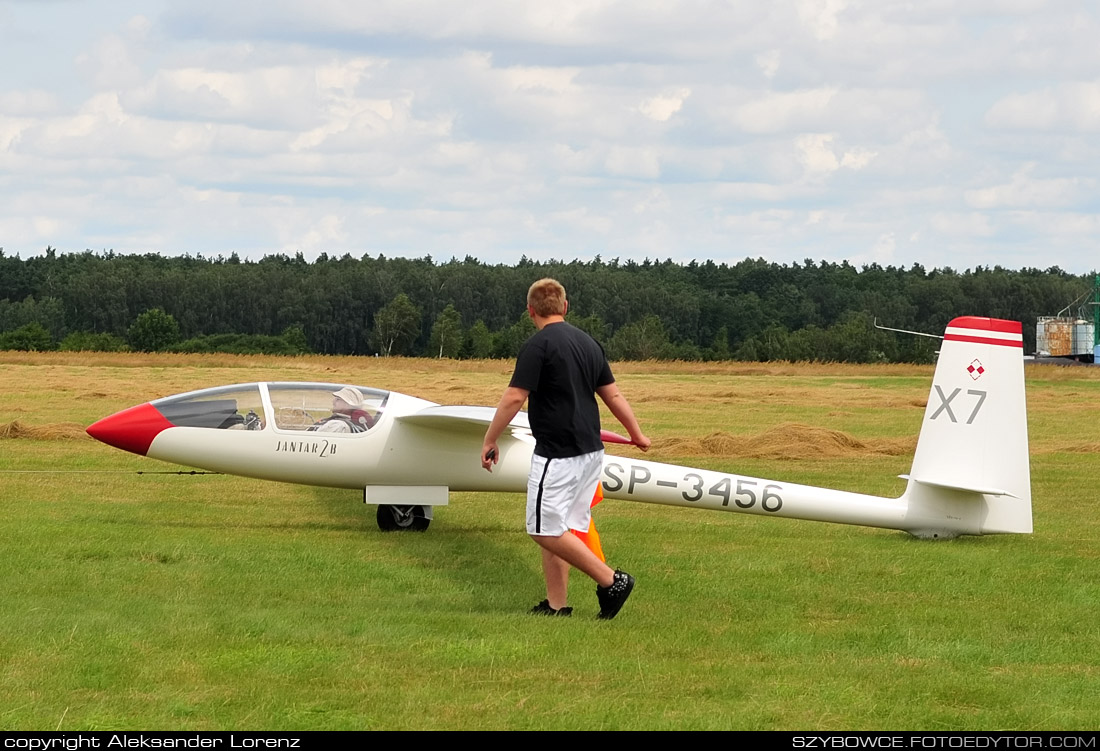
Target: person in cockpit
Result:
[[348, 415]]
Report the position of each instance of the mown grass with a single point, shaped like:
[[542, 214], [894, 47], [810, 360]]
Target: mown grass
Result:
[[213, 602]]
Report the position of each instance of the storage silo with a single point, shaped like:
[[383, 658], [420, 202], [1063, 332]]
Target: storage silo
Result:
[[1054, 336], [1082, 337]]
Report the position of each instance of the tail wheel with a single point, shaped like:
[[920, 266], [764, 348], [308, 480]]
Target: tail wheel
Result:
[[403, 518]]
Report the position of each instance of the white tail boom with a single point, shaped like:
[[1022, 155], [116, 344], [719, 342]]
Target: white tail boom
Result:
[[970, 473]]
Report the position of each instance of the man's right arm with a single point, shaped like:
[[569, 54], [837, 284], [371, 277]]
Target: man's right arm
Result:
[[510, 403]]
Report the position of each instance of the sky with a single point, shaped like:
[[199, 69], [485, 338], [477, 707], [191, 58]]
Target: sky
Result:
[[898, 132]]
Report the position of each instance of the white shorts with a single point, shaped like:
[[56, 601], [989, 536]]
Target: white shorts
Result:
[[559, 493]]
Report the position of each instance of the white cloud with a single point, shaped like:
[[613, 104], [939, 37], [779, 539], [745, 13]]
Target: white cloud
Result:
[[883, 249], [817, 155], [10, 130], [857, 159], [821, 16], [273, 97], [1056, 228], [778, 112], [1069, 106], [538, 79], [962, 224], [626, 162], [768, 62], [115, 60], [1025, 191], [661, 108], [327, 232], [788, 129], [31, 103], [584, 220]]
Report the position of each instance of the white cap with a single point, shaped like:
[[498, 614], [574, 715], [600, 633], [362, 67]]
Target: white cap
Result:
[[350, 395]]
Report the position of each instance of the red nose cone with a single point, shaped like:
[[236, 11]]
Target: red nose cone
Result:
[[131, 429]]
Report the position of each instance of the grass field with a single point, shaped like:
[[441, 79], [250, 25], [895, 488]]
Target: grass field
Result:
[[160, 601]]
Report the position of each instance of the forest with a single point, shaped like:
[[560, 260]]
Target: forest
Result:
[[752, 310]]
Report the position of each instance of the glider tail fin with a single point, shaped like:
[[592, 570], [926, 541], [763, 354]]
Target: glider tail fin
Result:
[[970, 472]]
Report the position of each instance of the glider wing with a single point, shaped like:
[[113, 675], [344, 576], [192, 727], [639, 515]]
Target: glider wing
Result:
[[463, 419]]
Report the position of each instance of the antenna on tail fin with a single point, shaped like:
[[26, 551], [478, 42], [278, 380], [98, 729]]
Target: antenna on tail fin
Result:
[[970, 473]]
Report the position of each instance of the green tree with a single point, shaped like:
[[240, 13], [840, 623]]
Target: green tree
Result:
[[87, 341], [479, 341], [769, 310], [396, 326], [748, 351], [592, 325], [685, 351], [720, 348], [508, 341], [855, 339], [807, 345], [770, 344], [295, 338], [238, 344], [446, 339], [32, 337], [47, 311], [646, 339], [153, 331]]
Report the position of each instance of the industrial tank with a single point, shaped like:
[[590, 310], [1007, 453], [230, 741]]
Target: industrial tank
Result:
[[1059, 336]]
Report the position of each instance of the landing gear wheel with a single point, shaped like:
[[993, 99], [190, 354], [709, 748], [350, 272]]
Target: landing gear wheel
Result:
[[403, 518]]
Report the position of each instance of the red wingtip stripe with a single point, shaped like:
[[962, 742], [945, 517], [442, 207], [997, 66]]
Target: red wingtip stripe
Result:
[[983, 340], [977, 330], [987, 324]]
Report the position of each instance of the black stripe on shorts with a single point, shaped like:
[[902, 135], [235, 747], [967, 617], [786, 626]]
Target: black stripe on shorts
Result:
[[538, 498]]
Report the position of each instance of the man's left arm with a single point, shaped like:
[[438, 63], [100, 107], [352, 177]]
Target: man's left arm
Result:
[[620, 407]]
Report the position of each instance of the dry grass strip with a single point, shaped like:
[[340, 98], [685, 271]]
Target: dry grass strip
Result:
[[58, 431], [785, 441]]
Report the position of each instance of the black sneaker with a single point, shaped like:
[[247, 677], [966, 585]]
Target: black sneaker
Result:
[[612, 598], [543, 608]]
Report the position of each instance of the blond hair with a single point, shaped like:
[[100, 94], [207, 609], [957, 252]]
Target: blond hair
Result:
[[547, 298]]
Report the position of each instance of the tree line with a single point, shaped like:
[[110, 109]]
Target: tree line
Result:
[[752, 310]]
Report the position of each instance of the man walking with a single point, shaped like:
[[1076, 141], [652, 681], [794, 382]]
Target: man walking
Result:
[[562, 369]]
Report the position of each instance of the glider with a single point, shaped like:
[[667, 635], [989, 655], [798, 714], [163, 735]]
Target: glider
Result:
[[970, 473]]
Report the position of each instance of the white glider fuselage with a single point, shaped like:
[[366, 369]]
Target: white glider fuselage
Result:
[[391, 452], [970, 472]]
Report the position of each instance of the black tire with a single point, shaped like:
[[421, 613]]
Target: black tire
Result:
[[402, 518]]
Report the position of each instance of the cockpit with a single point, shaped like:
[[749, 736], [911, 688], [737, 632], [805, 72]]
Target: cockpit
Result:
[[305, 407]]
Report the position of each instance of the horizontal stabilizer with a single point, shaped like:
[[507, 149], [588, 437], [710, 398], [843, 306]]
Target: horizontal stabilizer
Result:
[[957, 486]]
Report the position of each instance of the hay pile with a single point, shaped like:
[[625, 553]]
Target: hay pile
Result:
[[1069, 448], [58, 431], [785, 441]]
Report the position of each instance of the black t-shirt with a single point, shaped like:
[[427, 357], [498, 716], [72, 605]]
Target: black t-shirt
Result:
[[561, 367]]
